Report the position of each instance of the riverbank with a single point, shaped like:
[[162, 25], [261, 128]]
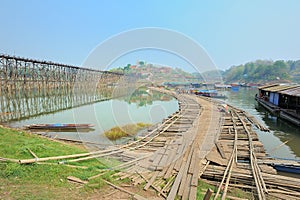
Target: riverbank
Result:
[[47, 180]]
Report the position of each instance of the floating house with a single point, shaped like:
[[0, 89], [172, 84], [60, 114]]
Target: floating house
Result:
[[208, 93], [222, 86], [281, 100], [177, 84]]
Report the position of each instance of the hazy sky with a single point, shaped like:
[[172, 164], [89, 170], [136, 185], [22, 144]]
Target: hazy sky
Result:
[[231, 32]]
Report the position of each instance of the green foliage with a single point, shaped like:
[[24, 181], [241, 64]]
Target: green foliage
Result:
[[202, 188], [16, 144], [126, 130], [262, 71]]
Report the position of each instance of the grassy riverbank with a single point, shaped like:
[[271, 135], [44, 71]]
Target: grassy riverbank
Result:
[[48, 180], [124, 131]]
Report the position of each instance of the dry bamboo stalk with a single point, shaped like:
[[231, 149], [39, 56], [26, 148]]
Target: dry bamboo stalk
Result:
[[72, 166], [76, 180], [259, 182], [230, 169], [121, 166], [27, 161], [32, 153], [95, 156], [154, 187], [96, 176], [279, 146], [235, 198], [150, 182], [187, 189], [183, 169], [230, 162], [285, 192], [9, 160], [111, 193], [169, 170], [168, 184], [135, 196]]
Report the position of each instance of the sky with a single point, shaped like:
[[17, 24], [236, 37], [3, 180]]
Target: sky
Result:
[[231, 32]]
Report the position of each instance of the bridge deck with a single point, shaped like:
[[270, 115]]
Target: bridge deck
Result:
[[221, 149]]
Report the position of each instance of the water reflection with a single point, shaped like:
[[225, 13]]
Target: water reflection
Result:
[[107, 114], [144, 96]]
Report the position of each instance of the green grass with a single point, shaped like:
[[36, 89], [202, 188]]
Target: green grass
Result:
[[124, 131], [35, 181], [203, 187]]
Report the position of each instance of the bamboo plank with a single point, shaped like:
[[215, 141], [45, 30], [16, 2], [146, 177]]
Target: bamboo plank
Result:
[[187, 187], [169, 171], [182, 171], [193, 192], [76, 180], [135, 196], [219, 148], [154, 187], [150, 182]]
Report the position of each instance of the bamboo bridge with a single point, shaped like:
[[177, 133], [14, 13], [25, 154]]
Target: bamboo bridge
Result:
[[31, 87], [198, 142]]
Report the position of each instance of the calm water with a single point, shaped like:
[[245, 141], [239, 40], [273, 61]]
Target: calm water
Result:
[[281, 131], [141, 106]]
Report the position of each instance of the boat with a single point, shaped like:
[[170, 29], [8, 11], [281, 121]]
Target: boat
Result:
[[59, 126], [287, 168], [210, 93]]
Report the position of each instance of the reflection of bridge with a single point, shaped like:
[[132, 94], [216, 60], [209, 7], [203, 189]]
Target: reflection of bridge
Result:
[[31, 87]]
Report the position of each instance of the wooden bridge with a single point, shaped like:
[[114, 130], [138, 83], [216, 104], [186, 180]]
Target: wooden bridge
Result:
[[31, 87], [199, 142], [196, 143]]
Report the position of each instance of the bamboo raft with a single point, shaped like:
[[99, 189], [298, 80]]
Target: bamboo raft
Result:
[[239, 160]]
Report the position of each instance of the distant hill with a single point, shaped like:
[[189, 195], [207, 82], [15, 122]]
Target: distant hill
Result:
[[160, 74], [156, 73], [262, 71]]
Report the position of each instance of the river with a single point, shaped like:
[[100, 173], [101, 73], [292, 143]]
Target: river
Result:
[[283, 139], [142, 106]]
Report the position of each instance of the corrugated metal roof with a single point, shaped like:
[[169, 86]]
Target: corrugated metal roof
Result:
[[280, 88], [266, 86], [292, 92]]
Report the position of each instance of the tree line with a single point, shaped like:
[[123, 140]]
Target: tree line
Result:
[[262, 71]]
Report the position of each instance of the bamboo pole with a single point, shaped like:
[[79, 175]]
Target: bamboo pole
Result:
[[279, 146], [95, 156], [230, 162], [121, 166], [32, 153], [154, 187], [9, 160], [27, 161], [135, 196]]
